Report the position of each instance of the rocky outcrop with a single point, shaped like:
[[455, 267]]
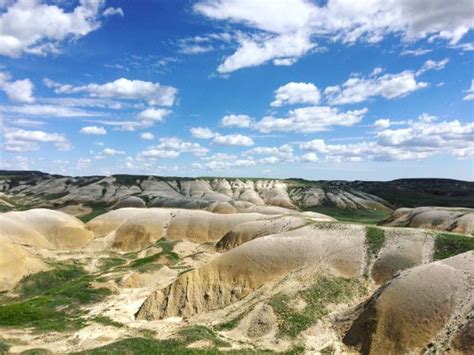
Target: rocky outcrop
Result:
[[22, 232], [218, 195], [244, 269], [426, 308], [457, 220]]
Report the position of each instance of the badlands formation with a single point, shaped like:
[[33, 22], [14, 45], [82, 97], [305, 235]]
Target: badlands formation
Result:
[[129, 264]]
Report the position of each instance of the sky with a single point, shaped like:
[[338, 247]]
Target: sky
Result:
[[314, 89]]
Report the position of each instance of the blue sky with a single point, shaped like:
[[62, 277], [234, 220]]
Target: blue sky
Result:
[[274, 88]]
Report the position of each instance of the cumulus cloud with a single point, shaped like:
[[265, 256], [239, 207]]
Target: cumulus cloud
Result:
[[233, 140], [202, 132], [382, 123], [17, 91], [420, 139], [153, 115], [432, 65], [20, 140], [358, 89], [283, 34], [109, 152], [93, 130], [152, 93], [30, 26], [296, 93], [469, 92], [240, 121], [310, 119], [113, 11], [159, 153], [48, 111], [222, 161], [147, 136], [309, 157], [177, 144]]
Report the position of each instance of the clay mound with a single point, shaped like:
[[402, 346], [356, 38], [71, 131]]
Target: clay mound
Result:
[[240, 271], [58, 229], [245, 232], [130, 201], [420, 308], [132, 229], [15, 263], [460, 220], [402, 249]]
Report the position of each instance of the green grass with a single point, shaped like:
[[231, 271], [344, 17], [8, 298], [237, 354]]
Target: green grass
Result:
[[199, 332], [450, 244], [166, 252], [374, 239], [324, 292], [98, 209], [109, 263], [51, 300], [107, 321], [146, 346], [233, 323], [4, 347], [361, 216]]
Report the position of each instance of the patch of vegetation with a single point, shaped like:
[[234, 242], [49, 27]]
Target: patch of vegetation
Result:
[[327, 290], [55, 196], [109, 263], [200, 332], [166, 252], [107, 321], [51, 300], [361, 216], [4, 347], [451, 244], [374, 239], [98, 209], [36, 352], [233, 323], [147, 346]]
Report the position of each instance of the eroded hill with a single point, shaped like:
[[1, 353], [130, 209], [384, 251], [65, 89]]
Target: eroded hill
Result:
[[172, 280]]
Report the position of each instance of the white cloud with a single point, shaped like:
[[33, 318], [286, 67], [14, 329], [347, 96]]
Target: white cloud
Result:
[[241, 121], [310, 119], [25, 122], [469, 92], [296, 93], [152, 93], [18, 140], [359, 89], [17, 91], [255, 50], [48, 111], [415, 52], [93, 130], [113, 11], [153, 114], [222, 161], [382, 123], [282, 153], [177, 144], [159, 153], [432, 65], [29, 26], [309, 157], [420, 139], [283, 32], [233, 139], [202, 132], [110, 152], [147, 136]]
